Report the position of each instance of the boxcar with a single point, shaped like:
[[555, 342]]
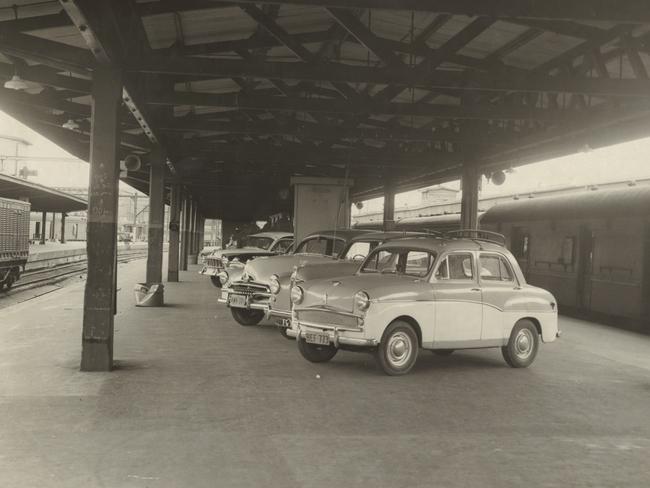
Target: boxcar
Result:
[[14, 240]]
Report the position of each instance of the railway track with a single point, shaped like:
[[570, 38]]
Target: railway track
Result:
[[45, 276]]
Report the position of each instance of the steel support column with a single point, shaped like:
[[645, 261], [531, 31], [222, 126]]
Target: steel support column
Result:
[[389, 205], [192, 233], [43, 227], [470, 182], [62, 227], [184, 221], [101, 247], [156, 217], [174, 231]]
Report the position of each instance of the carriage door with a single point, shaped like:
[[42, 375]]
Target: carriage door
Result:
[[645, 290], [585, 267]]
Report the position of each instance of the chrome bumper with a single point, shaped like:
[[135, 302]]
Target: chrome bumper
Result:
[[223, 298], [335, 337], [209, 270]]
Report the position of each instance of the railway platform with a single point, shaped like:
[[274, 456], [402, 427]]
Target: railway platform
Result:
[[200, 401]]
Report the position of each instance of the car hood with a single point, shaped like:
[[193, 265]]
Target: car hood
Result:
[[237, 252], [339, 292], [261, 269]]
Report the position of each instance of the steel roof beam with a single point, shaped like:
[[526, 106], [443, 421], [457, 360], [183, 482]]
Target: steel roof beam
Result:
[[631, 11], [406, 77]]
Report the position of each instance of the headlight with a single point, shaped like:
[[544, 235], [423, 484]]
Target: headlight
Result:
[[297, 294], [223, 277], [274, 284], [361, 301]]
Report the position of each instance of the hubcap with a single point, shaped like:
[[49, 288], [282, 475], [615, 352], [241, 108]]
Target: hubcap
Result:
[[399, 349], [524, 343]]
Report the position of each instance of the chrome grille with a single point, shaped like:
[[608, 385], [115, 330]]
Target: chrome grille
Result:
[[328, 319], [250, 289], [213, 262]]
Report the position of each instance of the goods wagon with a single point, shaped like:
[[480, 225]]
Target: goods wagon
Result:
[[14, 240]]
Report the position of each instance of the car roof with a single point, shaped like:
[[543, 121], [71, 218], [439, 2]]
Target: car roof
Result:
[[345, 234], [440, 244], [382, 236], [272, 235]]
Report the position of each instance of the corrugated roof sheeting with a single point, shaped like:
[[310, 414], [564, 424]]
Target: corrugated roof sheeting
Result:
[[540, 50], [498, 35], [396, 25], [295, 19]]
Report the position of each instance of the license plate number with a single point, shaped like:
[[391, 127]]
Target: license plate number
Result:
[[238, 301], [314, 338]]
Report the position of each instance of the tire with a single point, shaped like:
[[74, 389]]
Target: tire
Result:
[[11, 279], [443, 352], [315, 353], [398, 350], [521, 350], [215, 281], [247, 317]]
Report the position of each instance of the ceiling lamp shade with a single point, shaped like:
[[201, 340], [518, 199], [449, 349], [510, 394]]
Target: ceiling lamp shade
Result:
[[16, 83], [70, 125]]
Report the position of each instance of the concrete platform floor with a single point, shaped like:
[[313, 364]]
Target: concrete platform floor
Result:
[[199, 401]]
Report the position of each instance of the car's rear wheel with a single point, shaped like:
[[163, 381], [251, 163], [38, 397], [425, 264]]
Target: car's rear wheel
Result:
[[215, 281], [443, 352], [398, 350], [244, 316], [521, 350], [316, 353]]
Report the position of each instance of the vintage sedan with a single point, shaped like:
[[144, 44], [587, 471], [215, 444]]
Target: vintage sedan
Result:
[[248, 297], [439, 294], [347, 263], [260, 244]]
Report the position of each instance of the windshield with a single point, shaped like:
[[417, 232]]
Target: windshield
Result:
[[258, 241], [359, 250], [326, 246], [408, 262]]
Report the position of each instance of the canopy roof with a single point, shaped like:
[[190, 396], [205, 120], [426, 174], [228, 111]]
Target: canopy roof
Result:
[[243, 95], [42, 198]]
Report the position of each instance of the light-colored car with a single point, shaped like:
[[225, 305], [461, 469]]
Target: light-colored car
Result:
[[347, 263], [439, 294], [248, 297], [260, 244]]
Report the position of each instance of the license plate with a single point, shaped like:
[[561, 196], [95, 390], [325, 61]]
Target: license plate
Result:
[[321, 339], [203, 270], [238, 301], [212, 271]]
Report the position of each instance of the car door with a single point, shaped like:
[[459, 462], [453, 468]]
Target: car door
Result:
[[458, 308], [500, 289]]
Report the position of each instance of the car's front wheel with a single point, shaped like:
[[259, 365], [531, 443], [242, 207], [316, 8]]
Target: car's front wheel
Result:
[[398, 350], [215, 281], [244, 316], [521, 350], [316, 353]]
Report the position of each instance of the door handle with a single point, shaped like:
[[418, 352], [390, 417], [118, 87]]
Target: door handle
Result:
[[475, 289]]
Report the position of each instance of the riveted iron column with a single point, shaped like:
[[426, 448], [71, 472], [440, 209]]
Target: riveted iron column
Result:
[[469, 200], [184, 221], [43, 227], [174, 230], [62, 227], [389, 203], [156, 217], [99, 297]]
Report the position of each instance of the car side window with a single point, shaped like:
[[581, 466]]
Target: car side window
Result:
[[358, 251], [418, 263], [456, 266], [494, 268]]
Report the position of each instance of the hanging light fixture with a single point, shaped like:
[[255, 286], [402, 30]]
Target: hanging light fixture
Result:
[[16, 83], [70, 125]]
